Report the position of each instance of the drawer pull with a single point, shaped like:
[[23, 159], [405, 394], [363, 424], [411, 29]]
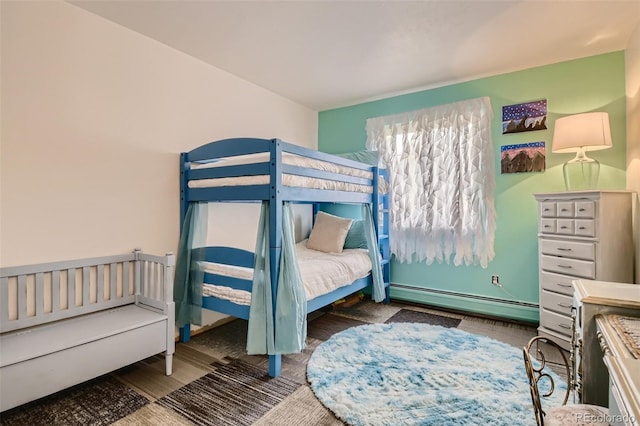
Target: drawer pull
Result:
[[603, 343], [563, 210], [563, 227], [568, 327], [581, 209], [546, 210], [564, 285], [564, 305], [565, 266], [563, 249], [547, 226]]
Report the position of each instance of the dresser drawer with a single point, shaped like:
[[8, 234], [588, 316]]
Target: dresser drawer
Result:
[[564, 226], [556, 283], [564, 265], [548, 226], [547, 209], [556, 322], [585, 209], [572, 249], [556, 302], [566, 209], [584, 228]]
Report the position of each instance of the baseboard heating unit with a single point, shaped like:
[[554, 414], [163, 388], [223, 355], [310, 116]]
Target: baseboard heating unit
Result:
[[473, 303]]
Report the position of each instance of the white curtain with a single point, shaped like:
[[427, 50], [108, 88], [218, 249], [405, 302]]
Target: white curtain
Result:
[[442, 177]]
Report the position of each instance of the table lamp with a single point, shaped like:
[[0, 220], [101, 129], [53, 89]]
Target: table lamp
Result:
[[580, 133]]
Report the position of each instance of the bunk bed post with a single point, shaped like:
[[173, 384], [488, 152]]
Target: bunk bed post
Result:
[[184, 201], [275, 237], [184, 332]]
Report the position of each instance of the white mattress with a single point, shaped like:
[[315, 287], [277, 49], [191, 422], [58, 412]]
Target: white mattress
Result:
[[321, 273], [287, 179], [287, 158]]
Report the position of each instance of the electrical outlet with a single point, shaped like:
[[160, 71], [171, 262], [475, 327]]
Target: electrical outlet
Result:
[[495, 280]]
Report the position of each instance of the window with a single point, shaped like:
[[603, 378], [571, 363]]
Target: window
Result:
[[441, 170]]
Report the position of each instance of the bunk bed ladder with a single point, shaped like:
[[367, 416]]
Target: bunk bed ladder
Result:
[[382, 229]]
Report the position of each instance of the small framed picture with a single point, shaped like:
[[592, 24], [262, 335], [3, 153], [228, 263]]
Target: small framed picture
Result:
[[523, 158], [527, 117]]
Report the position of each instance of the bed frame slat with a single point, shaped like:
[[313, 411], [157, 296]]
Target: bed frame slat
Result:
[[86, 279], [144, 277], [226, 281], [113, 281], [126, 282], [226, 256], [253, 169], [4, 299], [226, 307], [39, 293], [22, 297], [55, 291], [154, 275], [100, 283], [71, 288]]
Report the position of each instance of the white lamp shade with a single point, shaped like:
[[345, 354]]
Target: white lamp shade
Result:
[[589, 131]]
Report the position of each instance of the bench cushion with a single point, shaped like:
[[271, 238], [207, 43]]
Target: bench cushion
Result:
[[38, 341]]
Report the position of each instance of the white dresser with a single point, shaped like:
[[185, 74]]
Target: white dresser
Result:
[[582, 234]]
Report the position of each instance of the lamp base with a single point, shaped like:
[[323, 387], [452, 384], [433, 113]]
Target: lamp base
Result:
[[581, 173]]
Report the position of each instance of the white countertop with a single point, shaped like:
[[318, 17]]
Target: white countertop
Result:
[[608, 293]]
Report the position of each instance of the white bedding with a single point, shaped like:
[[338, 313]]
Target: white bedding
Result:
[[287, 158], [287, 179], [321, 273]]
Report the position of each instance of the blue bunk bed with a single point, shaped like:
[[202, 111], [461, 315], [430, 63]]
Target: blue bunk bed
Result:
[[270, 173]]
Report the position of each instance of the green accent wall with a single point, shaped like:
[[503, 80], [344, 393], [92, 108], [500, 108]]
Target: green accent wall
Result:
[[589, 84]]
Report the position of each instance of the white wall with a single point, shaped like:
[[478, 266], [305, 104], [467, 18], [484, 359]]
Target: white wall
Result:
[[632, 68], [93, 119]]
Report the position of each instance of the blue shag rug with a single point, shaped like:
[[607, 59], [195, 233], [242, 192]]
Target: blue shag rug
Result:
[[420, 374]]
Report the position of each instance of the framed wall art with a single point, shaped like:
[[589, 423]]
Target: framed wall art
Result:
[[526, 117], [523, 158]]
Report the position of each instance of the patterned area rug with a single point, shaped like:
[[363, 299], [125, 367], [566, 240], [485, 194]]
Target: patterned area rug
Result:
[[407, 315], [419, 374], [101, 401], [234, 394], [327, 325]]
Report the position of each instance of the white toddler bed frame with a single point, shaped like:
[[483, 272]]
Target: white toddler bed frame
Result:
[[64, 323]]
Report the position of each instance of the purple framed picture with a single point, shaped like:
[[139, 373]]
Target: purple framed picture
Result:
[[523, 158], [526, 117]]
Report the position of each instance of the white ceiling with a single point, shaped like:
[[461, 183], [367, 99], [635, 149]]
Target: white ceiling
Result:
[[328, 54]]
